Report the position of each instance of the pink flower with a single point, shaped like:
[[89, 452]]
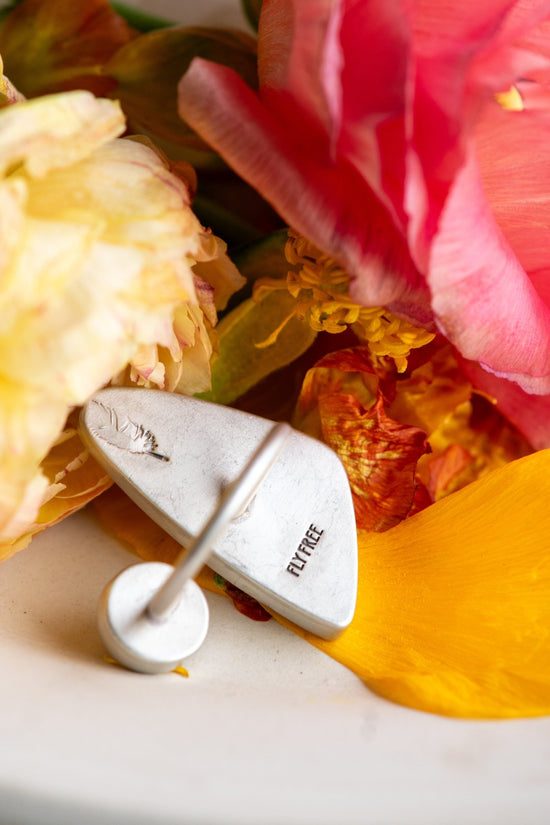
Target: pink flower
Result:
[[382, 132]]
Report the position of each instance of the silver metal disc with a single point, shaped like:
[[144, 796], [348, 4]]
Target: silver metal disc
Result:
[[135, 639], [294, 549]]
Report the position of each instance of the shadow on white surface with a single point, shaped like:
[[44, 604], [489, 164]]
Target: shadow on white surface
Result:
[[265, 730]]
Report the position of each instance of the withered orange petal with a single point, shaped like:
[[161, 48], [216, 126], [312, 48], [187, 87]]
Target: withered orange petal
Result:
[[343, 403], [445, 467], [379, 455], [346, 370], [432, 390]]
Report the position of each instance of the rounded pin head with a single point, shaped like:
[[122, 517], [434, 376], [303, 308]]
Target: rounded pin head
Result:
[[133, 637]]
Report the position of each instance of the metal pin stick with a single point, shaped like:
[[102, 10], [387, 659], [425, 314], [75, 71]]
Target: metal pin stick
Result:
[[294, 548], [152, 616]]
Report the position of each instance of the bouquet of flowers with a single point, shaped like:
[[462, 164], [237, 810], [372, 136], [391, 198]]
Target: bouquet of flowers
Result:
[[340, 220]]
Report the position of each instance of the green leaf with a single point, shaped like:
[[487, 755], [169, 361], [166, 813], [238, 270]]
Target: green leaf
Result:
[[140, 20], [241, 363], [264, 258], [147, 71], [54, 45]]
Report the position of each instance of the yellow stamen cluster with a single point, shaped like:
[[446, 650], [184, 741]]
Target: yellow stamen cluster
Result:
[[320, 287]]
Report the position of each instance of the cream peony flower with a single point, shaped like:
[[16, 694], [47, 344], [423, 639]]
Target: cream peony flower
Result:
[[8, 92], [97, 245]]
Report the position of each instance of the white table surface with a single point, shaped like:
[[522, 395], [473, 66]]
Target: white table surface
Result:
[[266, 730]]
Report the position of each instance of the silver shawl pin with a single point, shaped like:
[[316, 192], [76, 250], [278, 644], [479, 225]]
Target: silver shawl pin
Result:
[[267, 507]]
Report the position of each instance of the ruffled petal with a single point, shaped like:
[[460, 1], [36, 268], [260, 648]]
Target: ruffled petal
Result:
[[452, 76], [56, 130], [513, 151], [8, 93], [97, 247], [530, 414], [341, 403], [492, 24], [350, 101], [374, 96], [483, 299], [330, 204], [302, 71], [66, 480]]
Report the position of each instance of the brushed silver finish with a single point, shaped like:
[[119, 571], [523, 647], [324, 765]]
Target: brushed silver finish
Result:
[[233, 503], [152, 616], [137, 640], [294, 547]]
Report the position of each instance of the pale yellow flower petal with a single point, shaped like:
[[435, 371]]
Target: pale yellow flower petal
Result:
[[8, 93], [56, 130], [194, 377], [20, 504], [216, 268], [97, 245], [68, 478]]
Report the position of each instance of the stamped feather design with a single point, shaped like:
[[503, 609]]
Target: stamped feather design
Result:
[[122, 432]]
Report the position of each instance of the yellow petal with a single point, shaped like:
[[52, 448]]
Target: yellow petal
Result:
[[510, 100], [8, 92], [453, 613], [215, 267], [56, 130], [97, 245], [195, 359], [67, 479]]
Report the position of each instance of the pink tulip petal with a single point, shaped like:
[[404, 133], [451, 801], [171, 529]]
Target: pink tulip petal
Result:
[[327, 202], [486, 304], [302, 72], [440, 28], [322, 74], [360, 159], [537, 41], [473, 55], [513, 150], [525, 23], [483, 299], [376, 87], [530, 414]]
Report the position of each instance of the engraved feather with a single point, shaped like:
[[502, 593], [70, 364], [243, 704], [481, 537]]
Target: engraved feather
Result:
[[124, 433]]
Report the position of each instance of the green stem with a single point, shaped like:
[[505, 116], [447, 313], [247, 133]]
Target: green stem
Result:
[[141, 20]]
